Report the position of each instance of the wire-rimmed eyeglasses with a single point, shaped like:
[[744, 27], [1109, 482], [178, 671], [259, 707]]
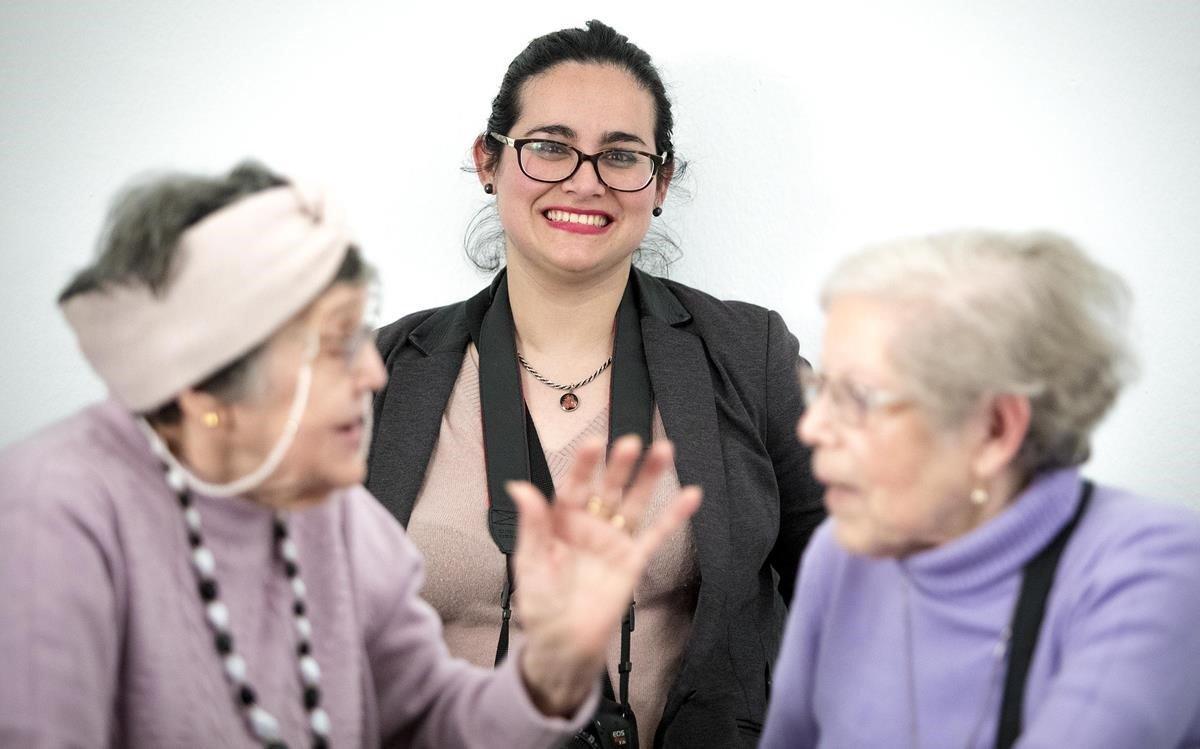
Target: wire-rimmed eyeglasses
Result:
[[550, 161], [850, 403], [347, 346]]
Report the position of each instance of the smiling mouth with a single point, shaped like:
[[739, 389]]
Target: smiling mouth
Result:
[[597, 220]]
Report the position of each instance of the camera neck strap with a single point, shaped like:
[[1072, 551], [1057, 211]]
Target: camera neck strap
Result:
[[512, 450], [1036, 582]]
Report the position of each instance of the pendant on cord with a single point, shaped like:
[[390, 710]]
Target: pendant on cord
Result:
[[569, 401]]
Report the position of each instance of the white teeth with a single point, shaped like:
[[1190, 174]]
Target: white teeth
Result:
[[577, 218]]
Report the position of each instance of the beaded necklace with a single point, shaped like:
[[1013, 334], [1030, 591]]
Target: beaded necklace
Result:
[[263, 725]]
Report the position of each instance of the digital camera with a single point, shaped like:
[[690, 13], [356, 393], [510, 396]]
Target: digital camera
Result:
[[612, 727]]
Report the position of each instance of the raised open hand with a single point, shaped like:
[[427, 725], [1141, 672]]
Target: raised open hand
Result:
[[578, 561]]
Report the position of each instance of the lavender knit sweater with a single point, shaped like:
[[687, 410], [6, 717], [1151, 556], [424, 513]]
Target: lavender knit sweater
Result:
[[904, 653], [102, 635]]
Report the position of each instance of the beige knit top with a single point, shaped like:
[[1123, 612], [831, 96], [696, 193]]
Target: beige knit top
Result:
[[466, 571]]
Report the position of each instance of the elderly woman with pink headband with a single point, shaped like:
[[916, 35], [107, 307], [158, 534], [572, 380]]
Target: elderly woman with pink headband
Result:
[[193, 563]]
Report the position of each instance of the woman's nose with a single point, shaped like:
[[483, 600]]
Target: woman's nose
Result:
[[370, 370], [585, 180], [814, 426]]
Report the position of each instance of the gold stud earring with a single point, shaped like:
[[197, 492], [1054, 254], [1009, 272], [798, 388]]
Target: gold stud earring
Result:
[[979, 496], [212, 419]]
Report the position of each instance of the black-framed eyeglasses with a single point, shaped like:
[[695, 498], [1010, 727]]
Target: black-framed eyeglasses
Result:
[[550, 161]]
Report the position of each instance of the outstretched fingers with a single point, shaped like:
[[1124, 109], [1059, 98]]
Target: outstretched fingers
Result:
[[576, 487], [633, 506], [621, 461], [533, 515], [673, 516]]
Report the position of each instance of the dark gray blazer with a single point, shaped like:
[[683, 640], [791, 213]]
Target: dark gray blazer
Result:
[[724, 380]]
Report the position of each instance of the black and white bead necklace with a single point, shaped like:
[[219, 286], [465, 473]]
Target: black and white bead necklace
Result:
[[262, 724]]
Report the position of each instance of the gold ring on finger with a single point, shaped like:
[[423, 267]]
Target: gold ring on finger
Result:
[[595, 505], [618, 521]]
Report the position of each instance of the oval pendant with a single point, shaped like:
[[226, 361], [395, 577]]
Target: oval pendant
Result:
[[568, 402]]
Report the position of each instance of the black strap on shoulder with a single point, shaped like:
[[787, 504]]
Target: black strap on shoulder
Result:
[[505, 422], [1027, 622], [512, 450], [505, 612]]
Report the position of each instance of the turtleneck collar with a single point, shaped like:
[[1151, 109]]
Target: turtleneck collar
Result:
[[1003, 545]]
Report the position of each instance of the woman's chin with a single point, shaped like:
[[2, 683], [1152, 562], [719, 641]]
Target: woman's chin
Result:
[[853, 536], [314, 490], [352, 474]]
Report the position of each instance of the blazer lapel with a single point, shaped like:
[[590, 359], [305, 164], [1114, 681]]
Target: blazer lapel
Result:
[[679, 374], [416, 397], [684, 394], [408, 417], [683, 390]]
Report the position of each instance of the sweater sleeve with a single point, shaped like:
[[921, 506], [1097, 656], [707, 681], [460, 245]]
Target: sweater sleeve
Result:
[[1127, 672], [59, 637], [426, 697], [790, 719], [800, 507]]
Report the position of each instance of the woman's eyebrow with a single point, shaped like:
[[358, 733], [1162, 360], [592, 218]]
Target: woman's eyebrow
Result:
[[612, 136], [562, 130], [617, 136], [344, 314]]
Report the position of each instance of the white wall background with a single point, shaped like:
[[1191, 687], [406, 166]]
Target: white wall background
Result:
[[810, 131]]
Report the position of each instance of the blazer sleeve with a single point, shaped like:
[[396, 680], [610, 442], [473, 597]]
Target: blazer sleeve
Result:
[[426, 698], [800, 507]]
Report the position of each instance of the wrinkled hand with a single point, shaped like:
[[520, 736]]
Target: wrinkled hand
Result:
[[578, 561]]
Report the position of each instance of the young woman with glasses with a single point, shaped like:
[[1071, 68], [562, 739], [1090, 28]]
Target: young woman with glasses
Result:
[[570, 342]]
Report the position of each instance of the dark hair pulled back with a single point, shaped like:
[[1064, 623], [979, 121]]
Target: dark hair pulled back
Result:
[[595, 43]]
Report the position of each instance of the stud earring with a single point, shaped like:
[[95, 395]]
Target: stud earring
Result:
[[488, 188], [657, 210], [979, 496], [212, 419]]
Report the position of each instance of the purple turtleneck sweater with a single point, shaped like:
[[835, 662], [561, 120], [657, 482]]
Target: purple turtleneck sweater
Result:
[[907, 652], [102, 634]]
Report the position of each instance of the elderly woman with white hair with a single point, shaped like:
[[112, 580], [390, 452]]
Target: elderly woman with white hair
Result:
[[194, 563], [970, 588]]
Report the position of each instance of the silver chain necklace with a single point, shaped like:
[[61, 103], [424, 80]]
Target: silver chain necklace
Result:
[[999, 653], [569, 400]]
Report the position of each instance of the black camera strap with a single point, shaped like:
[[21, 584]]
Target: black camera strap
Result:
[[1036, 582], [512, 450]]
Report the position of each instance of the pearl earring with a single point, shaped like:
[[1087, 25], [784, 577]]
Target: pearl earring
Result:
[[657, 210], [979, 496], [488, 188], [212, 419]]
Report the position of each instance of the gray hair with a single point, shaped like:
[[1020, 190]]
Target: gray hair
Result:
[[996, 312], [139, 242]]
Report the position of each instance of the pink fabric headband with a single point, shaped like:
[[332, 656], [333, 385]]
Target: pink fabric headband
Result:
[[238, 276]]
